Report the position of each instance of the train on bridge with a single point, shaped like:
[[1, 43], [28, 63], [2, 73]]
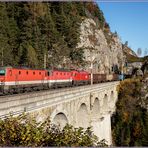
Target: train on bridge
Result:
[[17, 80]]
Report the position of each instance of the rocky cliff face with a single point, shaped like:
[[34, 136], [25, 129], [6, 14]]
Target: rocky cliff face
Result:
[[130, 54], [129, 51], [97, 50]]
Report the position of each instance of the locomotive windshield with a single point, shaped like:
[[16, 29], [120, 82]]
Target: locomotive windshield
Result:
[[2, 72]]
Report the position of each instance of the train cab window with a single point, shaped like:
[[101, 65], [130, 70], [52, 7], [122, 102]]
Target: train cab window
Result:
[[73, 74], [33, 73], [2, 72], [19, 72], [27, 72]]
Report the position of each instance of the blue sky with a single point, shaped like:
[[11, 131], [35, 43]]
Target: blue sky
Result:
[[130, 20]]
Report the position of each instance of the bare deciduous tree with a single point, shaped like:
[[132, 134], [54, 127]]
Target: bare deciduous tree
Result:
[[139, 51], [146, 52]]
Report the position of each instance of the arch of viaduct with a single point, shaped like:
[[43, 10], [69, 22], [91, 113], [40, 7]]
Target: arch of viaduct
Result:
[[82, 106]]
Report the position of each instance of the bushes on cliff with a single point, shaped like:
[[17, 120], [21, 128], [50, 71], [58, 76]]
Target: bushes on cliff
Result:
[[130, 122], [25, 131]]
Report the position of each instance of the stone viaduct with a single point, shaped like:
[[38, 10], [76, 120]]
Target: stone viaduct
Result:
[[82, 106]]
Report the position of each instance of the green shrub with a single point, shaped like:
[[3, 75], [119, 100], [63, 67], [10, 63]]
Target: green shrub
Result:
[[25, 131]]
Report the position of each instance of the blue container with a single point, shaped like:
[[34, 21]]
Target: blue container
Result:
[[121, 77]]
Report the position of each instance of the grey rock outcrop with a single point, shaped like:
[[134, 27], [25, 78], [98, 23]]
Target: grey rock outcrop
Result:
[[128, 50], [97, 50]]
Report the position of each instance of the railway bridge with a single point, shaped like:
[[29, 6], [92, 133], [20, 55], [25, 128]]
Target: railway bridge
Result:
[[82, 106]]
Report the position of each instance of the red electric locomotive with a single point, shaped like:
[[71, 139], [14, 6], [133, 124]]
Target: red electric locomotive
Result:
[[80, 77], [19, 79], [59, 78]]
